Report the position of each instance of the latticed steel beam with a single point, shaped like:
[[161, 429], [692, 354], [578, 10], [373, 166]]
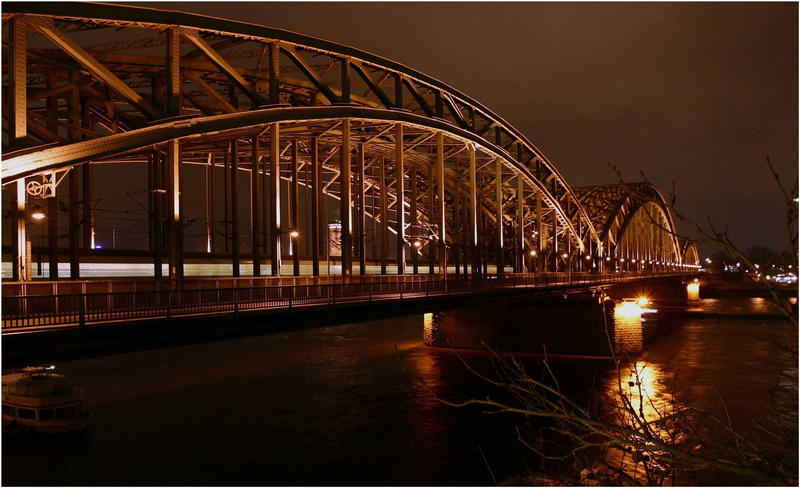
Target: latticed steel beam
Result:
[[46, 27]]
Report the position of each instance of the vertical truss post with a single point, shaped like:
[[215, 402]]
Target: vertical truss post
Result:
[[346, 200], [233, 151], [399, 205], [398, 90], [173, 71], [255, 221], [294, 224], [174, 228], [275, 196], [74, 261], [316, 200], [384, 217], [457, 221], [210, 203], [52, 235], [539, 234], [274, 72], [431, 217], [473, 210], [18, 132], [520, 240], [361, 218], [499, 213], [88, 211], [157, 197], [345, 62], [555, 240], [207, 201], [414, 220], [442, 207], [226, 185], [20, 256]]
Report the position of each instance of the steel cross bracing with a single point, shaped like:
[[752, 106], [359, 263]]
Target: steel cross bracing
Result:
[[167, 88]]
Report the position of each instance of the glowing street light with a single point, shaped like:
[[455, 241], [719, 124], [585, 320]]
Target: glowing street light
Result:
[[38, 215], [533, 253], [294, 234], [642, 301]]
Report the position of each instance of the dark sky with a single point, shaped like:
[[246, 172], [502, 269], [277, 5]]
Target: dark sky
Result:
[[695, 93]]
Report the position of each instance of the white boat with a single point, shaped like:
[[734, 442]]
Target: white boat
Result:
[[37, 398]]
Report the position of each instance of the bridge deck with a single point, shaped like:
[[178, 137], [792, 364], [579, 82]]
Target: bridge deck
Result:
[[33, 312]]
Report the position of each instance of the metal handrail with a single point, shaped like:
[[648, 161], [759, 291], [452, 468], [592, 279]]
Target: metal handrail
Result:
[[79, 309]]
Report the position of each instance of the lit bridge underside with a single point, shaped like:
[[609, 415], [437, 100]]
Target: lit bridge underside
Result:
[[431, 178]]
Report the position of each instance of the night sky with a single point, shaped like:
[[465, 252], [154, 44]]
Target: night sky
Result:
[[695, 93]]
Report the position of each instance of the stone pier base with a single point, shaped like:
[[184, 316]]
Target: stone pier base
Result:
[[559, 325]]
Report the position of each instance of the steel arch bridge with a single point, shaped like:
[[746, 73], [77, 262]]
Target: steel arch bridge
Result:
[[420, 168]]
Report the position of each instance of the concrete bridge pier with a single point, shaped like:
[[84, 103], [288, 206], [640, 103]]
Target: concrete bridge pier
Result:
[[584, 324], [591, 323]]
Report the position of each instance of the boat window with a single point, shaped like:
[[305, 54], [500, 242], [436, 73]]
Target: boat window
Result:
[[65, 413], [46, 414], [27, 413], [9, 410]]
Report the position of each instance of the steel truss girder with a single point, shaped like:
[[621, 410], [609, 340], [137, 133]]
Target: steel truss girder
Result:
[[506, 135], [65, 156]]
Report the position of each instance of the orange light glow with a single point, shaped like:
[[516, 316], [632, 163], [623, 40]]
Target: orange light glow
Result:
[[693, 291]]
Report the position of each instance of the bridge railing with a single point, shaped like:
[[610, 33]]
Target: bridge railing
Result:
[[49, 311]]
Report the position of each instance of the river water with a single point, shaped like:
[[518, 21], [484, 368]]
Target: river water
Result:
[[352, 405]]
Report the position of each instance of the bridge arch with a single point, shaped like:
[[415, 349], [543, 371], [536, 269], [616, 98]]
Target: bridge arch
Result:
[[635, 224], [96, 84]]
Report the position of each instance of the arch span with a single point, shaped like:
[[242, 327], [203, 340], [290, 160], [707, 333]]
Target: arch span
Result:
[[634, 222], [92, 84]]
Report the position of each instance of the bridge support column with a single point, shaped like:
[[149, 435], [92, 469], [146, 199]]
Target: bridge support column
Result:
[[52, 236], [399, 205], [20, 251], [316, 200], [473, 212], [175, 223], [431, 219], [157, 192], [540, 261], [416, 244], [294, 215], [384, 217], [361, 222], [275, 197], [210, 204], [233, 157], [554, 237], [18, 130], [255, 221], [520, 241], [346, 202], [499, 215], [88, 211], [442, 208]]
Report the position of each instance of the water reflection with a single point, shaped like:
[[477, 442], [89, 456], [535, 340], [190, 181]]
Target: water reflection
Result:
[[340, 405]]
